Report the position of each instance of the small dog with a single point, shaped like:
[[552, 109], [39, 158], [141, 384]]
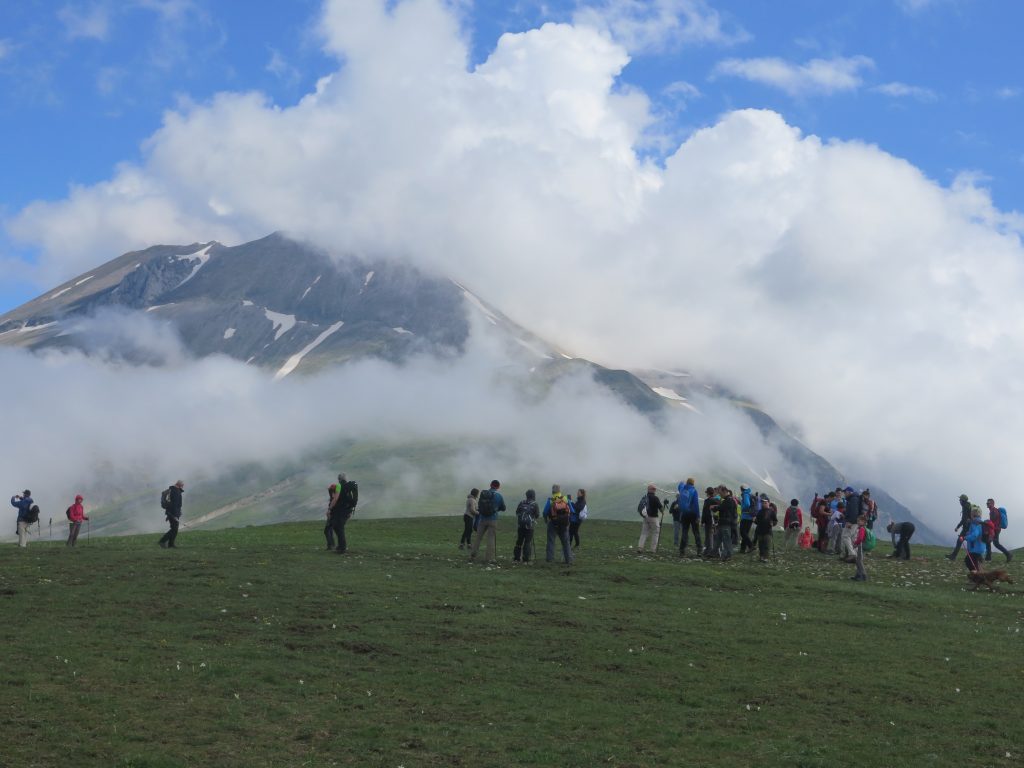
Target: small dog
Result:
[[988, 578]]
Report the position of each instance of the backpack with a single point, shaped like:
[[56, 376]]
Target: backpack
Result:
[[870, 540], [641, 508], [68, 512], [1002, 518], [485, 506], [165, 499], [525, 513], [794, 521], [559, 508], [988, 530], [350, 494], [33, 515]]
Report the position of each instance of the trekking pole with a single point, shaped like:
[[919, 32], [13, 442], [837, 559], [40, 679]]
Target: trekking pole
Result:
[[51, 529], [88, 530]]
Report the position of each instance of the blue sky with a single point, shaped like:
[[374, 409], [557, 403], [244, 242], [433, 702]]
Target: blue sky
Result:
[[84, 83]]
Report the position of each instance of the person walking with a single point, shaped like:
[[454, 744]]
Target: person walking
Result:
[[689, 515], [468, 518], [901, 546], [973, 541], [557, 511], [488, 506], [577, 516], [343, 506], [170, 500], [793, 521], [963, 526], [526, 518], [23, 503], [76, 514], [650, 510], [998, 517]]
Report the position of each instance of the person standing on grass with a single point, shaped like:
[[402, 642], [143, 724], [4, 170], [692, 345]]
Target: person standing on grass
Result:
[[170, 500], [708, 515], [76, 514], [578, 514], [650, 511], [726, 524], [973, 541], [764, 527], [526, 517], [749, 503], [902, 546], [677, 523], [557, 511], [835, 527], [343, 506], [488, 506], [23, 503], [793, 521], [998, 516], [332, 491], [689, 514], [468, 518], [858, 544]]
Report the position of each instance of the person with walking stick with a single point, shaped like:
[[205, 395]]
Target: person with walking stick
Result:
[[975, 544], [76, 514]]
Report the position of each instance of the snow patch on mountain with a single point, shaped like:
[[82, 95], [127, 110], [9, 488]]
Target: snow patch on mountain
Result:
[[202, 255], [305, 293], [533, 348], [366, 282], [670, 394], [400, 329], [294, 360], [478, 304], [84, 280], [282, 323], [229, 333]]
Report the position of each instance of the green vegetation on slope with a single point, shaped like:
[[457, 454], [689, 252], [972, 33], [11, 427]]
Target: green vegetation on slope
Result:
[[255, 647]]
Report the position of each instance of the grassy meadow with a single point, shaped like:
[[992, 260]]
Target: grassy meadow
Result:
[[257, 647]]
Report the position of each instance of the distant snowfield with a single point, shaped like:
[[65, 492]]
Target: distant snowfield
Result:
[[203, 255], [294, 360], [400, 329], [671, 394], [282, 323], [229, 333], [366, 282], [478, 304], [305, 293], [533, 348]]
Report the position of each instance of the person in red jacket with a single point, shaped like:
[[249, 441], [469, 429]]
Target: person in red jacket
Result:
[[858, 546], [76, 514], [806, 540]]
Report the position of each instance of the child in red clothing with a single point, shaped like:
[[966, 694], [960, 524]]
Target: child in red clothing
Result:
[[806, 540], [858, 545]]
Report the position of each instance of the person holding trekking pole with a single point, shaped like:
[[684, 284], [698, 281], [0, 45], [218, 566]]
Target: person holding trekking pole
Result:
[[975, 545], [76, 514]]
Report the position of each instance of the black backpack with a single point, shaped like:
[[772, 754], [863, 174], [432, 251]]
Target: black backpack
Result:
[[33, 515], [485, 506], [165, 499], [68, 512], [350, 494]]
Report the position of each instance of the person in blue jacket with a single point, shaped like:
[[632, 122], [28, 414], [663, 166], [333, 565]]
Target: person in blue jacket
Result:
[[689, 514], [488, 506], [749, 505], [23, 503], [974, 542]]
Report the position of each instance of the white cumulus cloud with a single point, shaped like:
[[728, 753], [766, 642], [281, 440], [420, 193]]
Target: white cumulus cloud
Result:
[[815, 76]]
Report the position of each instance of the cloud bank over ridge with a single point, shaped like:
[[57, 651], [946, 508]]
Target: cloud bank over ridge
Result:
[[863, 304]]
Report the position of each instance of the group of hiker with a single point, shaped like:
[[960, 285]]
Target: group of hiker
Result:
[[28, 515], [978, 533], [562, 516]]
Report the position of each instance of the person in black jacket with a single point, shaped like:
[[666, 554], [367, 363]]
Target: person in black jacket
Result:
[[764, 526], [904, 531], [708, 516], [963, 526], [650, 510], [343, 506], [173, 512]]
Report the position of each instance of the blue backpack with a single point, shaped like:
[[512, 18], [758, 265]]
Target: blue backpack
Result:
[[1002, 517]]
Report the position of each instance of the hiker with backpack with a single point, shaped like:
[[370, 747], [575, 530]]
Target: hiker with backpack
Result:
[[726, 524], [869, 508], [170, 502], [332, 490], [792, 521], [557, 511], [973, 541], [488, 506], [689, 514], [469, 519], [902, 546], [650, 509], [26, 517], [677, 523], [709, 520], [749, 504], [998, 518], [764, 527], [526, 517], [343, 506], [835, 527], [75, 514]]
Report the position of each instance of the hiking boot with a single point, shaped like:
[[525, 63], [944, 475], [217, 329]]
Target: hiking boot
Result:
[[1009, 556], [162, 543]]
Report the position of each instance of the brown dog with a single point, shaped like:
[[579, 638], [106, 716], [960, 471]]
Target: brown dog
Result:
[[988, 578]]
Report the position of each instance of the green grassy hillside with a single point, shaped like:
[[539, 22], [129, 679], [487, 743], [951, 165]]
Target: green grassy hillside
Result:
[[256, 647]]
